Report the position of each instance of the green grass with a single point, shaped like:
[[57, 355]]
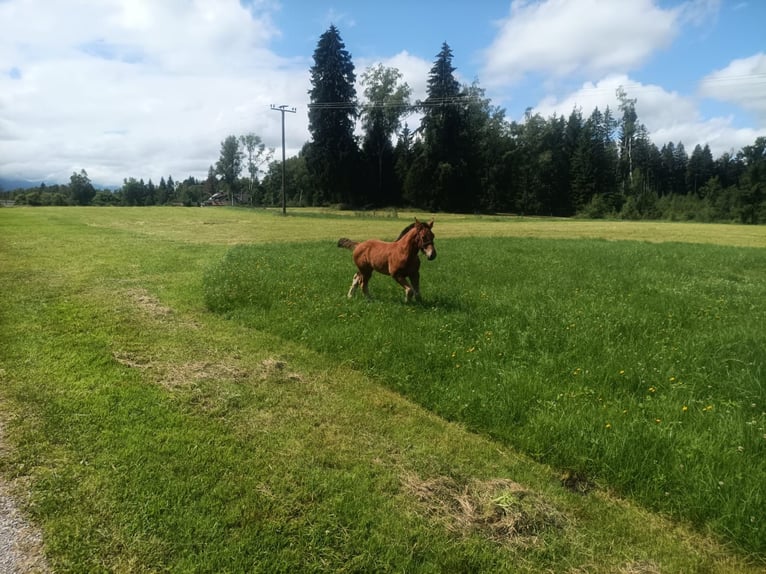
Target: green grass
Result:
[[145, 433], [639, 366]]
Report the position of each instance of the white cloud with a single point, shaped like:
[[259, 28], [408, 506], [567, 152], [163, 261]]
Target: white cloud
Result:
[[742, 82], [338, 19], [139, 88], [414, 72], [697, 12], [565, 37]]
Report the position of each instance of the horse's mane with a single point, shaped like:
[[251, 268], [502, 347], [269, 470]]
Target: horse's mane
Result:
[[405, 230]]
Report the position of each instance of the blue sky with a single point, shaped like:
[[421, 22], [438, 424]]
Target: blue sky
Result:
[[145, 89]]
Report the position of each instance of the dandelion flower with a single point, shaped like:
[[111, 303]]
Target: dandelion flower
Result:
[[684, 408]]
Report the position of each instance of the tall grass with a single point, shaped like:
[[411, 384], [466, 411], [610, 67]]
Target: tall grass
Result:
[[636, 366]]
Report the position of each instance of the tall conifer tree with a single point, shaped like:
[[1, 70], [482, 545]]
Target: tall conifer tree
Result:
[[333, 155], [444, 161]]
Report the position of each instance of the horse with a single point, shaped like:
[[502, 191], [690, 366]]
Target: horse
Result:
[[399, 258]]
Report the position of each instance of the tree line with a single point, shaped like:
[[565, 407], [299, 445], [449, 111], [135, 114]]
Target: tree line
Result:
[[463, 156]]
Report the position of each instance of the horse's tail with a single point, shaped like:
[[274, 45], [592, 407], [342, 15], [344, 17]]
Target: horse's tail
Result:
[[347, 243]]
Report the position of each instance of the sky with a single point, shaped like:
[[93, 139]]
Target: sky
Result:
[[150, 88]]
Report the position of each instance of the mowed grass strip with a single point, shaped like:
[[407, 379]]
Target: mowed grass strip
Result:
[[151, 435]]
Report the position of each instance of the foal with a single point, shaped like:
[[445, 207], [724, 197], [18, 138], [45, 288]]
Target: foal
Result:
[[399, 258]]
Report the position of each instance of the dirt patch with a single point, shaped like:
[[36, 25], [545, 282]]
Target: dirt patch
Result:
[[576, 482], [151, 307], [148, 303], [500, 509], [173, 375], [274, 369], [21, 544], [642, 567], [132, 360]]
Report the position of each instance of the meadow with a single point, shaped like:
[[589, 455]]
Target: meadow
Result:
[[637, 366], [191, 390]]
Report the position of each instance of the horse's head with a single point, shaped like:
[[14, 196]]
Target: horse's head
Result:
[[425, 238]]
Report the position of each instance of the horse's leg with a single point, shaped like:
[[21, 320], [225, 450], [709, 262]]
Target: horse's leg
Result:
[[415, 280], [354, 284], [365, 280], [408, 291]]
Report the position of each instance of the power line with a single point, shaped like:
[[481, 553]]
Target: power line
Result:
[[745, 80], [420, 104]]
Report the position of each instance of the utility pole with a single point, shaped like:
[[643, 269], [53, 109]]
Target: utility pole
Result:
[[283, 108]]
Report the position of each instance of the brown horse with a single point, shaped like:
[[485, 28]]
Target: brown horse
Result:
[[399, 258]]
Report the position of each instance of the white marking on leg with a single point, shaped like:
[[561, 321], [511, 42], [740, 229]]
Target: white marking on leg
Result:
[[354, 285]]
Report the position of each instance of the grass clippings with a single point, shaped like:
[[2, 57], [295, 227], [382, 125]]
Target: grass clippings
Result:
[[499, 509]]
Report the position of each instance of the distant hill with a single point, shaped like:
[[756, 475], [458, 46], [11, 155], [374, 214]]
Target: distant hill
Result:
[[7, 184], [11, 184]]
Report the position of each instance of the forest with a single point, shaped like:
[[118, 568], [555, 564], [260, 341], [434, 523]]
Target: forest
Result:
[[464, 156]]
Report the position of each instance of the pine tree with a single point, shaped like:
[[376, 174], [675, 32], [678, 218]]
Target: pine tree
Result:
[[162, 192], [444, 165], [332, 157], [700, 169]]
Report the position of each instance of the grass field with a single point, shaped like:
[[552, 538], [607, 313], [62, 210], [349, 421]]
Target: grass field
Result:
[[293, 430]]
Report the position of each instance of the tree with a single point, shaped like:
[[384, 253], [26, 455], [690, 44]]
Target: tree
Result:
[[699, 169], [680, 162], [298, 186], [81, 191], [534, 157], [673, 169], [190, 191], [594, 165], [151, 193], [728, 169], [210, 185], [133, 192], [229, 164], [333, 154], [753, 182], [256, 155], [490, 169], [637, 152], [387, 100], [162, 192], [443, 166]]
